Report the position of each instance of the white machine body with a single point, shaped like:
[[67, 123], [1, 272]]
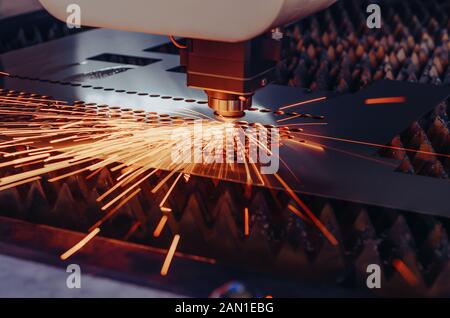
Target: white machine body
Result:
[[216, 20]]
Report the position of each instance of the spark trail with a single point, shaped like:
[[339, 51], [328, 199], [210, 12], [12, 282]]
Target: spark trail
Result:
[[40, 136]]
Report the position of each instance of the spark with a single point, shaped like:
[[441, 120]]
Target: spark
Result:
[[92, 141], [132, 230], [18, 183], [289, 118], [4, 74], [246, 223], [106, 206], [298, 213], [162, 182], [115, 209], [160, 226], [304, 102], [385, 100], [364, 143], [80, 244], [170, 253], [330, 237], [163, 201], [22, 160], [405, 272], [307, 144], [54, 141], [17, 153]]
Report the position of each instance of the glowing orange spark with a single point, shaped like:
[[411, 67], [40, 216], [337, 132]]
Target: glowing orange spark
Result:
[[27, 164], [330, 237], [304, 102], [106, 206], [364, 143], [114, 210], [246, 223], [22, 160], [132, 230], [308, 145], [405, 272], [66, 175], [54, 141], [298, 213], [17, 153], [385, 100], [170, 253], [162, 182], [160, 226], [18, 183], [163, 201], [80, 244], [289, 118]]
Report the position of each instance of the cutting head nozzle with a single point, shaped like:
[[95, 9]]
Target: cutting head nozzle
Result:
[[229, 105]]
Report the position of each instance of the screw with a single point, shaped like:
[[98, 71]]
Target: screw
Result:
[[277, 34]]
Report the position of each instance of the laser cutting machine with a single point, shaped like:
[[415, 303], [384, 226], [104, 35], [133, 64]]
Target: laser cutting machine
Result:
[[363, 116], [233, 46]]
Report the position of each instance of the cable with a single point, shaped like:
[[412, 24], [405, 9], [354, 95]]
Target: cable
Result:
[[178, 45]]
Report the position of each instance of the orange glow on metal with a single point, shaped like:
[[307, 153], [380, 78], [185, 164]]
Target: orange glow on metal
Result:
[[80, 244], [160, 226], [304, 102], [385, 100], [170, 253], [405, 272]]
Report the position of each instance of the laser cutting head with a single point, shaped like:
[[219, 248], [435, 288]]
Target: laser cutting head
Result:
[[234, 44]]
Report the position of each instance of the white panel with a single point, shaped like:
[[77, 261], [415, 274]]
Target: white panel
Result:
[[220, 20]]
